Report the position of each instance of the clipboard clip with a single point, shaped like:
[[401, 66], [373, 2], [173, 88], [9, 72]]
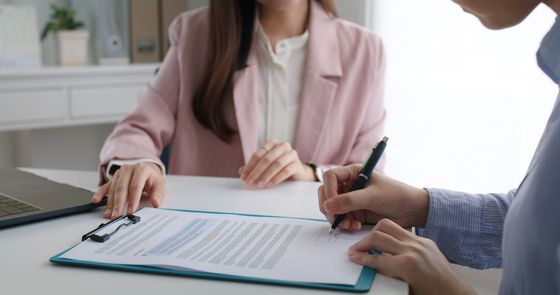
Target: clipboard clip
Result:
[[132, 219]]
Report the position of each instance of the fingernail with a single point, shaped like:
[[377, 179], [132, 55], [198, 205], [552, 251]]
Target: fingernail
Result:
[[260, 184], [115, 213], [107, 213]]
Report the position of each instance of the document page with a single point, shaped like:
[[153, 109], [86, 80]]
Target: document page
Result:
[[257, 247]]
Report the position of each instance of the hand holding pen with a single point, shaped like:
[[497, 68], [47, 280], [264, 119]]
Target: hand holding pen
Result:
[[382, 197], [364, 175]]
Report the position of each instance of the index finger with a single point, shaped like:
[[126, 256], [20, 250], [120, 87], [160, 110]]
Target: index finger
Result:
[[255, 158], [334, 179]]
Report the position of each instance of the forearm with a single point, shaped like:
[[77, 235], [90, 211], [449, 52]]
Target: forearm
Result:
[[467, 227]]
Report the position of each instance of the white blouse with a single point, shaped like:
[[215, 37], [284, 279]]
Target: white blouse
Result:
[[280, 80]]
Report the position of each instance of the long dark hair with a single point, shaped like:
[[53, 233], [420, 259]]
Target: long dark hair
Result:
[[231, 29]]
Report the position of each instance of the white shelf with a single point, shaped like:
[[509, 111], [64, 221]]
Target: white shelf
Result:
[[55, 71], [34, 98]]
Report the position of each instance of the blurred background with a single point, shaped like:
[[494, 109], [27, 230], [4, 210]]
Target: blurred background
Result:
[[466, 105]]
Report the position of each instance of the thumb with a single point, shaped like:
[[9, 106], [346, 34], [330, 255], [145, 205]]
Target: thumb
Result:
[[383, 263], [348, 202]]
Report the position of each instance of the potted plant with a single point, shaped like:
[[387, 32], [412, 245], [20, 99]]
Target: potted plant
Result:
[[72, 40]]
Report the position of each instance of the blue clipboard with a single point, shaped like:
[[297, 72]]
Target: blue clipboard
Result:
[[362, 285]]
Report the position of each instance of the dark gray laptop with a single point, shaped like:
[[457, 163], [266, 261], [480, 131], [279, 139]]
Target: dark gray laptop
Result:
[[26, 197]]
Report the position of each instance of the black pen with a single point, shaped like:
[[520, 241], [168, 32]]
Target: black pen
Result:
[[363, 176]]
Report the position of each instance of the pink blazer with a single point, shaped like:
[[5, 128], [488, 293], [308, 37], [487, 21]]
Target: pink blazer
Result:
[[341, 113]]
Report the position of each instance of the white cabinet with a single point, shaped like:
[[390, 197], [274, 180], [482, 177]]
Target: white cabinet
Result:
[[40, 105], [99, 102], [55, 97]]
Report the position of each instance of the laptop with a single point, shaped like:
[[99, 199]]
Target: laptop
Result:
[[26, 197]]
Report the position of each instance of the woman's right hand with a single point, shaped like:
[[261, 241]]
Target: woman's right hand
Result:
[[128, 185], [383, 197]]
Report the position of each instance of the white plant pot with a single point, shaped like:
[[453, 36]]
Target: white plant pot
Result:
[[72, 47]]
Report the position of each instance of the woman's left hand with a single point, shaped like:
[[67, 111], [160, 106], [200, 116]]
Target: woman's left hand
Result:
[[273, 163], [406, 256]]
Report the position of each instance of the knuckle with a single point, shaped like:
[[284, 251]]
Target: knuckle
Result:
[[294, 154], [374, 236], [384, 223], [266, 161], [278, 164], [429, 243], [408, 259]]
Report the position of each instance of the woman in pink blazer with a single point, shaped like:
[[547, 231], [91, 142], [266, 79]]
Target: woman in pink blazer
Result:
[[266, 90]]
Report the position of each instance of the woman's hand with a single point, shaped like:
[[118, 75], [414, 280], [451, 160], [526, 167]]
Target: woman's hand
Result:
[[272, 164], [383, 197], [128, 185], [414, 259]]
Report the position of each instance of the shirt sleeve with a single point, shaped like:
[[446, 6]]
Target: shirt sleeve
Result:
[[468, 227]]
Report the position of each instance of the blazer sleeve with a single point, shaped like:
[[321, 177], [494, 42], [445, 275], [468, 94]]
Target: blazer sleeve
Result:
[[150, 127], [372, 126]]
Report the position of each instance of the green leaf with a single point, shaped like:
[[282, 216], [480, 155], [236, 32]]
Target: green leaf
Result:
[[46, 31], [61, 19]]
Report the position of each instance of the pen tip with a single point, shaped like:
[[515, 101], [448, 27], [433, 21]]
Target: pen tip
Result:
[[330, 231], [385, 138]]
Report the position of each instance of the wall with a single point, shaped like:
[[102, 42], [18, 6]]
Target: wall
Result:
[[48, 48], [355, 10]]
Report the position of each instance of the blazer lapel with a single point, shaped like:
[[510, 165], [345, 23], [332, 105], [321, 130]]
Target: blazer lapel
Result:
[[245, 97], [320, 82]]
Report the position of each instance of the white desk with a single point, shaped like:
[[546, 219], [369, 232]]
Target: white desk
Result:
[[25, 250]]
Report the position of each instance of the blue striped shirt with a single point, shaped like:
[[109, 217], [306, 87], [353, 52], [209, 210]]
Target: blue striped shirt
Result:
[[519, 230]]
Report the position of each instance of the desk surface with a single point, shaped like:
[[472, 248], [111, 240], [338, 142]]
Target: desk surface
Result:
[[25, 250]]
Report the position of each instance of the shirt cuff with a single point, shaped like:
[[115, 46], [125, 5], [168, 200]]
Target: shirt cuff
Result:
[[114, 164], [454, 223]]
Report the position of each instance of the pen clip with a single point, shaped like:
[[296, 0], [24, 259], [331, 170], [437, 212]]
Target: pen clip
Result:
[[133, 219]]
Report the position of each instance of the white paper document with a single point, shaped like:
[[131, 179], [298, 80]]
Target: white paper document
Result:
[[257, 247]]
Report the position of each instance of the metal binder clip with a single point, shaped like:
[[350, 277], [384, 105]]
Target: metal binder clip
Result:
[[133, 219]]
